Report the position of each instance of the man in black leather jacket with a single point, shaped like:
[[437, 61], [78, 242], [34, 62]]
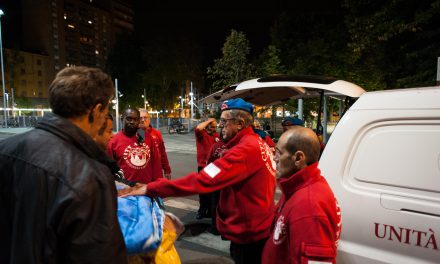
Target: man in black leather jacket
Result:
[[57, 192]]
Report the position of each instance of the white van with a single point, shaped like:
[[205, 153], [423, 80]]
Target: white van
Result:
[[383, 164], [382, 161]]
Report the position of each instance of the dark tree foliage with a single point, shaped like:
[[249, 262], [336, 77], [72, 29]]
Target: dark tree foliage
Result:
[[233, 66], [170, 62], [400, 39]]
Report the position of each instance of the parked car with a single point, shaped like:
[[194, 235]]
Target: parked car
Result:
[[177, 127]]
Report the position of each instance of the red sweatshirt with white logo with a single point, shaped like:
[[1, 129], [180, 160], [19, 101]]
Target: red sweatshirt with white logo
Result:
[[245, 176], [307, 224], [139, 161]]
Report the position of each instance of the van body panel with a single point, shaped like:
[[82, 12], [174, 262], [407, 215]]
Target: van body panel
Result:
[[383, 164]]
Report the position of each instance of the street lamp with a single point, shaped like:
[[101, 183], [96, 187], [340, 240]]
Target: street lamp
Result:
[[3, 72], [145, 99]]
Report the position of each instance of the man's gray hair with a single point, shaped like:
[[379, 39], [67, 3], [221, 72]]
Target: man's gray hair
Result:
[[247, 118]]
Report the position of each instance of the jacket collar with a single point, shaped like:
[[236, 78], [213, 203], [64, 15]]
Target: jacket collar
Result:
[[69, 132], [299, 180], [234, 141]]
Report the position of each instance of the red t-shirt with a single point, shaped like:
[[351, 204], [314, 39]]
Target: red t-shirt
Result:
[[204, 142], [307, 222], [160, 145], [139, 161]]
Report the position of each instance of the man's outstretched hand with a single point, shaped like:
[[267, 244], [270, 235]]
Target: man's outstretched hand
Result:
[[138, 189]]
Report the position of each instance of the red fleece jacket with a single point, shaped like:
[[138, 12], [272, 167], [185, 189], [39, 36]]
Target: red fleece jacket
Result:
[[204, 142], [245, 176], [160, 145], [307, 224]]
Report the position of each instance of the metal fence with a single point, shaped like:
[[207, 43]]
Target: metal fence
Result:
[[20, 121]]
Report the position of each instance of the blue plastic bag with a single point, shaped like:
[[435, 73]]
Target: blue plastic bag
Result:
[[141, 219]]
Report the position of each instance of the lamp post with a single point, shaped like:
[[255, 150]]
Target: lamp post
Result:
[[145, 99], [192, 108], [3, 73], [117, 105], [181, 106]]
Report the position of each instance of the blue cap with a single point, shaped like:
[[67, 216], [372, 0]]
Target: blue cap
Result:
[[292, 121], [237, 103]]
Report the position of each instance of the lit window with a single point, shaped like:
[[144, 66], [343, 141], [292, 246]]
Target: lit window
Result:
[[97, 52], [70, 26], [65, 16], [90, 22]]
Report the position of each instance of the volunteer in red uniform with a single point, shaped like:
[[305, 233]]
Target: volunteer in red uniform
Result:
[[244, 175], [291, 122], [307, 223], [145, 125], [138, 158], [264, 135], [206, 136]]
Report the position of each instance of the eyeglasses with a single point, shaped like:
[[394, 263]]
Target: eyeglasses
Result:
[[224, 120]]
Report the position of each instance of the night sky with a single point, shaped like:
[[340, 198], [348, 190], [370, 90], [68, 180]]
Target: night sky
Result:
[[206, 22], [210, 22]]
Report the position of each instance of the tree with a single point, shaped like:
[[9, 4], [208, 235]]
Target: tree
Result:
[[169, 65], [399, 39], [269, 62], [233, 67]]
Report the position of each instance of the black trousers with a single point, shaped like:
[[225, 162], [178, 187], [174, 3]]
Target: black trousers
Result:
[[215, 197], [204, 202], [247, 253]]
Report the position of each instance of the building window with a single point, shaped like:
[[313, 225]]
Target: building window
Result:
[[23, 82], [39, 73], [40, 84], [39, 62], [23, 71]]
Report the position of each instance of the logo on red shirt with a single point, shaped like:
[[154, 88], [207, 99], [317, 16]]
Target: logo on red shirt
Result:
[[137, 156], [267, 156], [279, 234]]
